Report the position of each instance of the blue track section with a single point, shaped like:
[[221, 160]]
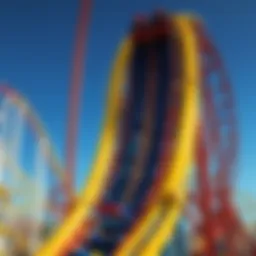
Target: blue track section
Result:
[[139, 76], [111, 229], [161, 50]]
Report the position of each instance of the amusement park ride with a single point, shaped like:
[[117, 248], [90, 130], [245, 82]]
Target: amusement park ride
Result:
[[170, 115]]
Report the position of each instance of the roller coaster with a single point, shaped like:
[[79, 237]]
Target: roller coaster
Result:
[[170, 117]]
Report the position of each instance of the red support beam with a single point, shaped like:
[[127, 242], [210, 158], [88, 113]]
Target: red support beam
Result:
[[75, 95]]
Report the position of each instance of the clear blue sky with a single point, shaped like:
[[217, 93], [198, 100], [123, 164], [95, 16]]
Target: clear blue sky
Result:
[[36, 43]]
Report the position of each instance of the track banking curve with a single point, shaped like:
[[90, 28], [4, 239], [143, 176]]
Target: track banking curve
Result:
[[169, 194]]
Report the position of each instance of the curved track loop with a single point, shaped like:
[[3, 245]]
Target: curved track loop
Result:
[[171, 189]]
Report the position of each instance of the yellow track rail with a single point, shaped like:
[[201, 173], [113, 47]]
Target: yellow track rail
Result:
[[100, 169], [176, 182]]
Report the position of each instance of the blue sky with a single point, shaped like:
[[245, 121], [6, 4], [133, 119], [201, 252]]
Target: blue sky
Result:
[[36, 46]]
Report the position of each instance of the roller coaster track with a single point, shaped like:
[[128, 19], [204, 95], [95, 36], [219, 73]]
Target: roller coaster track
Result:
[[170, 190], [194, 137]]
